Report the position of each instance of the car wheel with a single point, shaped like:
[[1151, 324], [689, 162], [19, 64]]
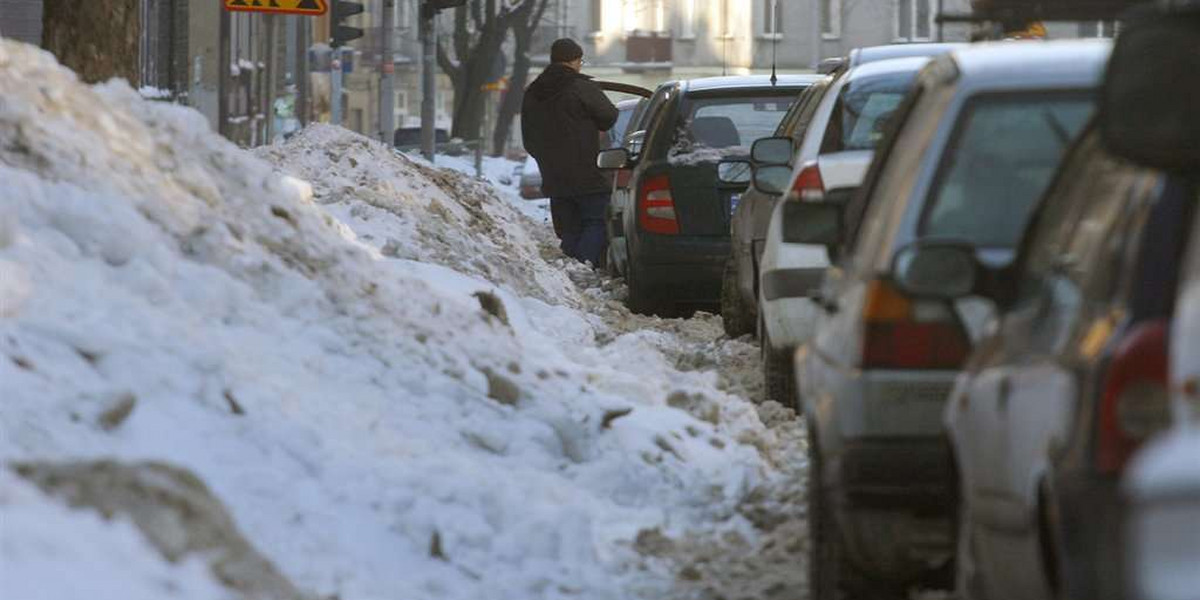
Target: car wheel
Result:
[[778, 372], [610, 263], [733, 313]]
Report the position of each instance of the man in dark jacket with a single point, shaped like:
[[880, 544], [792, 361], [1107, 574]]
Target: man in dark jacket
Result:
[[562, 116]]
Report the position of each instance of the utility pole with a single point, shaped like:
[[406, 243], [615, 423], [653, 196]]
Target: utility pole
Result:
[[428, 81], [387, 68], [270, 23], [223, 76], [340, 33]]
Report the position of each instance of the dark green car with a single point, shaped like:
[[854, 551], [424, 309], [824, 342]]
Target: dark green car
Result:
[[675, 214]]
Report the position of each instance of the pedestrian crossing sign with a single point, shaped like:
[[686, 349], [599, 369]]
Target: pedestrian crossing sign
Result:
[[287, 7]]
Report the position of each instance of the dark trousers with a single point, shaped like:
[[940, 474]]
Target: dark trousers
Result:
[[579, 224]]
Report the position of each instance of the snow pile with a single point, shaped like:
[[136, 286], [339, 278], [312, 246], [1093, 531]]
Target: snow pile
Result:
[[383, 372], [48, 551]]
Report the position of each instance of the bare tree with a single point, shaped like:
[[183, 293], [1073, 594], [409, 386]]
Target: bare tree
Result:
[[480, 29], [523, 30], [96, 39]]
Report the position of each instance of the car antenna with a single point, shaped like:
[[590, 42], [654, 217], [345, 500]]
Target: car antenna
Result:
[[774, 38]]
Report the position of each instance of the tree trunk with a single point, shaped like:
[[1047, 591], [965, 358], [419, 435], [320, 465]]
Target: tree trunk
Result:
[[97, 39], [510, 106]]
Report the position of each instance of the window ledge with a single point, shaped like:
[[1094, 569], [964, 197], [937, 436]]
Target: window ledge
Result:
[[595, 35], [686, 38], [770, 36], [831, 36], [726, 36]]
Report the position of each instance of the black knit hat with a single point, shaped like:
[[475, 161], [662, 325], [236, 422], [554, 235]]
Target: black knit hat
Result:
[[565, 50]]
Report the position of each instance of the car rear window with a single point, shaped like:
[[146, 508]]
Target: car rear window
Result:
[[862, 110], [1004, 153], [616, 135], [731, 122]]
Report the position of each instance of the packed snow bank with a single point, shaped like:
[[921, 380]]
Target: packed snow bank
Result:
[[50, 552], [387, 373], [173, 510]]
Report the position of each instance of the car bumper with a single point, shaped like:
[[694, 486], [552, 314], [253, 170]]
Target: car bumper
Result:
[[1090, 525], [789, 322], [912, 474], [683, 269]]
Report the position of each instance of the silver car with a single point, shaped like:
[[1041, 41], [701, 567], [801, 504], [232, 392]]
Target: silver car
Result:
[[973, 147]]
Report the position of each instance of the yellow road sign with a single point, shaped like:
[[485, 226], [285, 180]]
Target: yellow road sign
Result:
[[287, 7]]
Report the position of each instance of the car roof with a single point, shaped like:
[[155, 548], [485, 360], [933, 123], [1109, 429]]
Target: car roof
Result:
[[1029, 64], [891, 66], [734, 82], [870, 54]]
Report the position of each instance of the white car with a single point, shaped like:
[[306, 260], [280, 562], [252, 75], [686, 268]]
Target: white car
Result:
[[833, 157]]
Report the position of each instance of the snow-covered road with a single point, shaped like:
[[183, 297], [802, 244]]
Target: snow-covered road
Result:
[[394, 383]]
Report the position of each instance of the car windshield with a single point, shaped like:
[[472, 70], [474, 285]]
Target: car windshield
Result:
[[1005, 150], [730, 122], [862, 110]]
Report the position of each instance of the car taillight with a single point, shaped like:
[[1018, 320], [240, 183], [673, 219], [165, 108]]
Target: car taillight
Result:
[[808, 184], [1135, 401], [902, 333], [657, 207]]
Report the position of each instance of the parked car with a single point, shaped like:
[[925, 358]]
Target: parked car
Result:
[[675, 216], [739, 283], [739, 310], [1071, 382], [972, 148], [635, 134], [409, 138], [830, 163]]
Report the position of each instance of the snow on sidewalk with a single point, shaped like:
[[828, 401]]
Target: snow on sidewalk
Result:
[[398, 388]]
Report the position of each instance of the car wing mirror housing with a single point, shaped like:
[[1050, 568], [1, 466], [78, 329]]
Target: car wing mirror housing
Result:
[[950, 269], [771, 180], [772, 151], [1148, 111], [813, 222], [613, 158], [734, 172]]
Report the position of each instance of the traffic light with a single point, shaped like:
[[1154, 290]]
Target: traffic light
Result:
[[343, 10], [431, 7]]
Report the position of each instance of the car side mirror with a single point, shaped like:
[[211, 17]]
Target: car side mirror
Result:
[[814, 222], [772, 151], [634, 143], [951, 269], [772, 180], [944, 269], [613, 158], [734, 172], [1148, 110]]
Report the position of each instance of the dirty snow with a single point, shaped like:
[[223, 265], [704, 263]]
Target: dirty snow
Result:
[[50, 552], [387, 372]]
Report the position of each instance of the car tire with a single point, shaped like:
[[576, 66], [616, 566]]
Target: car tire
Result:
[[733, 313], [778, 372]]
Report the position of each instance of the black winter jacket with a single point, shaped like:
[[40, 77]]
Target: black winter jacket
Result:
[[562, 116]]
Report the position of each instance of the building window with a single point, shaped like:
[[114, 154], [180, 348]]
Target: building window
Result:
[[772, 17], [687, 16], [914, 20], [402, 14], [660, 15], [831, 18]]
